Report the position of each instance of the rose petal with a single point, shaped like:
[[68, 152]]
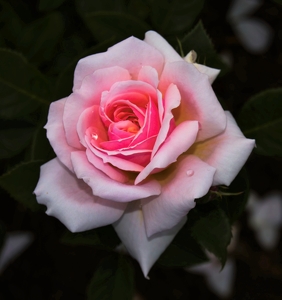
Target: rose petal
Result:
[[190, 179], [86, 96], [149, 75], [123, 149], [131, 230], [106, 188], [129, 90], [151, 125], [198, 101], [210, 72], [56, 133], [121, 130], [90, 118], [114, 173], [71, 201], [158, 42], [183, 136], [118, 162], [226, 152], [134, 53], [171, 100]]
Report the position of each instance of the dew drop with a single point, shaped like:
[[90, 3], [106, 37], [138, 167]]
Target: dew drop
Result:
[[95, 136], [189, 172]]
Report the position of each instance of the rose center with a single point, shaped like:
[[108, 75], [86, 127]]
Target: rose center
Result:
[[128, 126]]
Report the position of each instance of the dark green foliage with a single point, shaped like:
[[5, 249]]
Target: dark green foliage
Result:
[[261, 119], [112, 280], [20, 183]]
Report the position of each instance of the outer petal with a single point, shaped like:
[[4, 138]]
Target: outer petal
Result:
[[191, 179], [226, 152], [158, 42], [107, 188], [130, 54], [211, 72], [184, 135], [198, 99], [131, 230], [149, 75], [56, 133], [71, 201]]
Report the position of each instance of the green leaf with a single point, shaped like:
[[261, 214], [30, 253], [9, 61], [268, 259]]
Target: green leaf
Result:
[[184, 251], [20, 183], [211, 228], [278, 1], [86, 6], [234, 205], [40, 148], [139, 8], [198, 40], [261, 119], [86, 238], [108, 236], [45, 5], [14, 140], [39, 39], [173, 17], [65, 79], [113, 280], [106, 24], [11, 24], [22, 88]]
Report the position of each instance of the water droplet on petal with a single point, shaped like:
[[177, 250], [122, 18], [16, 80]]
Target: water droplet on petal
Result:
[[95, 136], [189, 172]]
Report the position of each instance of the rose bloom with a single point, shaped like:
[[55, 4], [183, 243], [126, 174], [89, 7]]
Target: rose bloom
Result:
[[139, 139]]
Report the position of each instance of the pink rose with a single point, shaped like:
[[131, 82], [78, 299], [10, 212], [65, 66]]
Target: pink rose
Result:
[[141, 136]]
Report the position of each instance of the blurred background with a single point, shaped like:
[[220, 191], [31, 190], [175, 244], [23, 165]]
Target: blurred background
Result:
[[39, 258]]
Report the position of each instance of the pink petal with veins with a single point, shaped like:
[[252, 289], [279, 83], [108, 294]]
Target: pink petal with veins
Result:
[[56, 133], [130, 54], [105, 187], [179, 141], [198, 101], [172, 100]]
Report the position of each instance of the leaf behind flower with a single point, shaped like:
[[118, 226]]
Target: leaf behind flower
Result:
[[115, 24], [261, 119], [211, 228], [198, 40], [112, 280], [22, 88], [20, 183]]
